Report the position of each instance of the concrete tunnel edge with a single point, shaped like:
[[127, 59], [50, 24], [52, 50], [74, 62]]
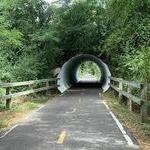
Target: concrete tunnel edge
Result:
[[63, 76]]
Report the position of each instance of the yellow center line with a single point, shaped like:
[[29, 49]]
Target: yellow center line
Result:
[[61, 137]]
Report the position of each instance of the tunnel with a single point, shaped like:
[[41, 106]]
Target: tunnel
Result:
[[67, 76]]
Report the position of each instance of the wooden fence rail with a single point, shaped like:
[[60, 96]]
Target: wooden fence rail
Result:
[[141, 100], [49, 84]]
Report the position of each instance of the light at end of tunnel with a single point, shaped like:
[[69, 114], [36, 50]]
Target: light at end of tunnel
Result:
[[88, 71]]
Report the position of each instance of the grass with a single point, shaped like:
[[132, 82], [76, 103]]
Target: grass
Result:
[[131, 120], [20, 109]]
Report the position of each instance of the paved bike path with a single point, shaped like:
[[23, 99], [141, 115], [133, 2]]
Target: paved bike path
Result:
[[76, 120]]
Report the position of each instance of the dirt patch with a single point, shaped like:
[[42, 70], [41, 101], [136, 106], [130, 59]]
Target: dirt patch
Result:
[[20, 109]]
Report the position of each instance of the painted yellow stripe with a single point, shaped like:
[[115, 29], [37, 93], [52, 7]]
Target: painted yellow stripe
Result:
[[61, 137]]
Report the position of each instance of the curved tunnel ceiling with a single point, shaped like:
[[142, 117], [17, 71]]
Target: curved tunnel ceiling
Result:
[[67, 74]]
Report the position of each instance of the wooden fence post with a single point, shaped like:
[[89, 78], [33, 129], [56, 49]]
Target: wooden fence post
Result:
[[130, 101], [47, 84], [120, 89], [8, 101], [114, 92], [144, 107]]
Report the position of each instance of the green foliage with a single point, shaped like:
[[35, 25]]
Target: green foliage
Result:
[[27, 68], [28, 39], [36, 37], [4, 68], [138, 64], [82, 28], [128, 42]]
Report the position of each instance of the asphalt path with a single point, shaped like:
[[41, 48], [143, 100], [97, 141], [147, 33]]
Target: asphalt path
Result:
[[76, 120]]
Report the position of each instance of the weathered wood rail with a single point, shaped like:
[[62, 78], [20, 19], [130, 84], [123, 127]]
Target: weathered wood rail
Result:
[[125, 88], [48, 84]]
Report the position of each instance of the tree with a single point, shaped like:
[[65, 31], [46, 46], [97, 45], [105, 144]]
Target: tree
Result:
[[82, 28], [30, 34], [128, 41]]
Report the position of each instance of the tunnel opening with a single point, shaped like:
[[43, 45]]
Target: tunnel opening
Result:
[[88, 74], [88, 71], [69, 73]]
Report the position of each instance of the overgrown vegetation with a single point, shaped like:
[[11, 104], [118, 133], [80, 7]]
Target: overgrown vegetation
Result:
[[128, 38], [36, 36], [28, 39]]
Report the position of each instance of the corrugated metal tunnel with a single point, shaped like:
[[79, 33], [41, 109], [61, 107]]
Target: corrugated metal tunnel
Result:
[[67, 75]]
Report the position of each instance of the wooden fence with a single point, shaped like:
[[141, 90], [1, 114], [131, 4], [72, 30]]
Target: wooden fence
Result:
[[126, 88], [48, 84]]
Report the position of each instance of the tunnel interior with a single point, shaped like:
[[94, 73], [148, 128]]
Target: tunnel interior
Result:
[[88, 72], [67, 77]]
